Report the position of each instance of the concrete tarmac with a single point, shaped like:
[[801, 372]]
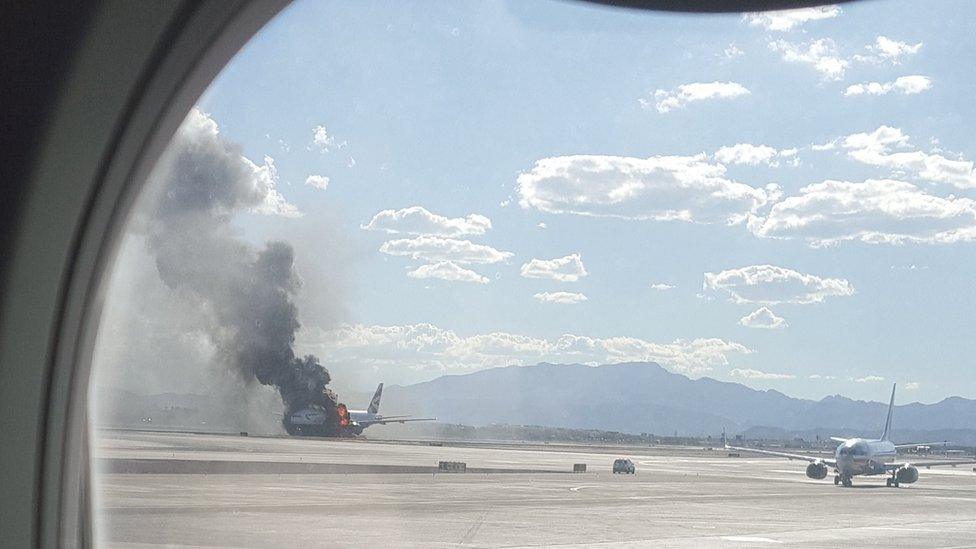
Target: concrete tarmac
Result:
[[167, 489]]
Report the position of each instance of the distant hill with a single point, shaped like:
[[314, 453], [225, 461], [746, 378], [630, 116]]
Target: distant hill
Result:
[[646, 398], [630, 398]]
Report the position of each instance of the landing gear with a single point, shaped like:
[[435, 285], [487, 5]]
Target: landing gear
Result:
[[891, 482], [844, 480], [836, 480]]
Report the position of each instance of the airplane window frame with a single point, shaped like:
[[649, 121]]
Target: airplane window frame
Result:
[[193, 42]]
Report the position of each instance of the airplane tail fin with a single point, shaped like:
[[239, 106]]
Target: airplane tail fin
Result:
[[891, 407], [374, 405]]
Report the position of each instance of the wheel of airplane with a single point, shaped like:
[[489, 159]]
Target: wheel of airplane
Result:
[[836, 480]]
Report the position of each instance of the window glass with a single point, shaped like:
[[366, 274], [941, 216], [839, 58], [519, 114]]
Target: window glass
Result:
[[448, 273]]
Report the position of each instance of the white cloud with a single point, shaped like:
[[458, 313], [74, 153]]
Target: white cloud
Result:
[[447, 270], [564, 269], [661, 286], [748, 373], [818, 376], [868, 379], [763, 318], [733, 51], [771, 285], [318, 181], [875, 211], [876, 149], [747, 153], [427, 347], [885, 49], [323, 141], [564, 298], [418, 221], [787, 20], [668, 100], [867, 145], [911, 386], [820, 54], [541, 225], [906, 85], [686, 188], [435, 248]]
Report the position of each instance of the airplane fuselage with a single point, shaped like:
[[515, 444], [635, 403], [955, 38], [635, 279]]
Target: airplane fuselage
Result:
[[858, 456], [314, 420], [315, 416], [360, 419], [360, 416]]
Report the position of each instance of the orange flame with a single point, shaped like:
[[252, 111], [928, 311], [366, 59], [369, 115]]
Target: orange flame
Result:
[[343, 413]]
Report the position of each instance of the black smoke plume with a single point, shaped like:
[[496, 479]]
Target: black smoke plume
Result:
[[244, 293]]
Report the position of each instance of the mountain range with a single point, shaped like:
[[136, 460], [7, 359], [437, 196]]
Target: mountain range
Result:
[[646, 398], [630, 398]]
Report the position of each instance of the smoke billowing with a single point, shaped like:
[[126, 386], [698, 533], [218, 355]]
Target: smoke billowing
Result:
[[242, 293]]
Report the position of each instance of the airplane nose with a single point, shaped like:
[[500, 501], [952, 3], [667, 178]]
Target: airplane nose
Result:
[[844, 462]]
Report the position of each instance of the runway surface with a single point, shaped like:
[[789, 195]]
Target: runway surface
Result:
[[230, 491]]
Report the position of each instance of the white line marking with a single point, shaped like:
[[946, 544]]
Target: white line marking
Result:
[[751, 539], [949, 497], [896, 529]]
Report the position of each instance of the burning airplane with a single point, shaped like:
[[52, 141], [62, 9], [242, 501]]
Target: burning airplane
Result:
[[316, 420]]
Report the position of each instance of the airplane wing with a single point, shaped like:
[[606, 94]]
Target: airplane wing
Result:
[[838, 439], [926, 464], [394, 419], [914, 444], [802, 457]]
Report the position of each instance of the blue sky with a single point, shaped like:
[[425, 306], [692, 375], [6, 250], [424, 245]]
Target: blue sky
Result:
[[658, 149]]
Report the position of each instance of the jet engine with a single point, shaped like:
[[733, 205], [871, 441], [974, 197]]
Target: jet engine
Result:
[[906, 474], [818, 470]]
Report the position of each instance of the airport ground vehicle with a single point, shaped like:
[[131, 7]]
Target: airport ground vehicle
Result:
[[624, 466]]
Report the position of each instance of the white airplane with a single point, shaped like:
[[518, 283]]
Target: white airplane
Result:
[[309, 421], [858, 456]]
